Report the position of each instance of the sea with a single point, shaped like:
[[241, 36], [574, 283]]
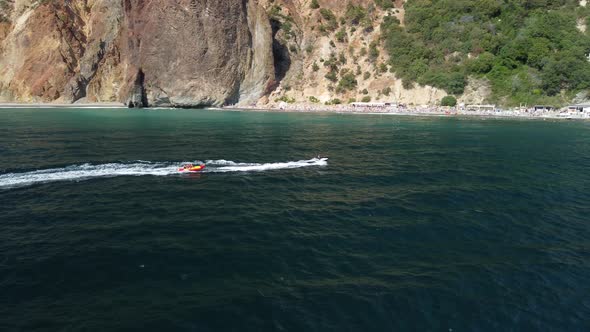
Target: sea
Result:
[[410, 224]]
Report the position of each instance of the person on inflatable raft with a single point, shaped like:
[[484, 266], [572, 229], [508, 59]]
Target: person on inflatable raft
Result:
[[191, 168]]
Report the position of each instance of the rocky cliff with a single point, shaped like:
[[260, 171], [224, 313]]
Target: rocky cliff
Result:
[[187, 53], [506, 52], [141, 52], [336, 54]]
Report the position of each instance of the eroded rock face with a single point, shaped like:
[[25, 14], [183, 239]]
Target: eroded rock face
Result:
[[196, 52], [4, 30], [40, 53], [155, 52]]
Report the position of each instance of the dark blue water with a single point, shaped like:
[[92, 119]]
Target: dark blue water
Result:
[[413, 224]]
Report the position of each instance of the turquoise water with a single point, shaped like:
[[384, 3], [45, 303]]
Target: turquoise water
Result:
[[413, 224]]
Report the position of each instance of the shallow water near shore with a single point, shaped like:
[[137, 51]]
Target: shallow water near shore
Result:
[[413, 223]]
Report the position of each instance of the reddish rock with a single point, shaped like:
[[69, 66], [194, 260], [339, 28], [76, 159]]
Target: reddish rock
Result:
[[155, 52], [41, 53], [195, 52]]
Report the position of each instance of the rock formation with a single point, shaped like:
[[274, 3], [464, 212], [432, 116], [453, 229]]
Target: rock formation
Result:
[[182, 53], [190, 53], [140, 52], [306, 49]]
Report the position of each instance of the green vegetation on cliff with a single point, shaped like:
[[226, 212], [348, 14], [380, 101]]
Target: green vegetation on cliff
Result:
[[530, 50], [5, 8]]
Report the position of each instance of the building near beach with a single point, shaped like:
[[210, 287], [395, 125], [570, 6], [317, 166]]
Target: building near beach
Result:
[[543, 108], [372, 105], [581, 108], [480, 108]]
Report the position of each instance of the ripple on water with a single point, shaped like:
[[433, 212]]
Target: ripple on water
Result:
[[413, 224]]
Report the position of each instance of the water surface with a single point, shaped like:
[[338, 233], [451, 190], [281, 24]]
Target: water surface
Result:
[[419, 224]]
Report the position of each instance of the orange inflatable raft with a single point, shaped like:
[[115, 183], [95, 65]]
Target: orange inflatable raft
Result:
[[190, 168]]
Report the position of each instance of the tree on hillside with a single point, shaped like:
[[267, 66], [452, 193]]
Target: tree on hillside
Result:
[[520, 46], [449, 101]]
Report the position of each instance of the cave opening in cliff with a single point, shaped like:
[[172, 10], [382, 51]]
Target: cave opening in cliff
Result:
[[138, 97], [280, 51]]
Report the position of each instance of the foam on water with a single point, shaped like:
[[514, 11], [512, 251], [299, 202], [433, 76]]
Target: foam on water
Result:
[[222, 166], [141, 168]]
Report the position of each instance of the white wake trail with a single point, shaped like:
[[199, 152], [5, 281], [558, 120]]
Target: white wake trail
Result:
[[140, 168], [87, 171], [223, 166]]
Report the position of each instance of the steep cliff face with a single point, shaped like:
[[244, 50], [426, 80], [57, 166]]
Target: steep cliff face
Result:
[[40, 52], [318, 50], [141, 52], [198, 52], [188, 53], [419, 51]]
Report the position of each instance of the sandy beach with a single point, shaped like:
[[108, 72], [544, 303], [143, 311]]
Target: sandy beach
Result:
[[435, 111]]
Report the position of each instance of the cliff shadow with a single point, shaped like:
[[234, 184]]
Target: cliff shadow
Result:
[[280, 52], [138, 98]]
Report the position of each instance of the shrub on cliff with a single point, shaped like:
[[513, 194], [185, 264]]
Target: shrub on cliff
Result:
[[355, 14], [448, 101], [341, 35], [385, 4], [288, 100], [331, 76], [329, 18], [373, 51], [348, 82], [5, 10]]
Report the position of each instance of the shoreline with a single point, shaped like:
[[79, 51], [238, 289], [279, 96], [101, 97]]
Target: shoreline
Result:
[[50, 105], [431, 111]]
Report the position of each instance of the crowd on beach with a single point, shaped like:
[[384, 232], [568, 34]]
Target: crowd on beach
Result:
[[575, 112], [425, 110]]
